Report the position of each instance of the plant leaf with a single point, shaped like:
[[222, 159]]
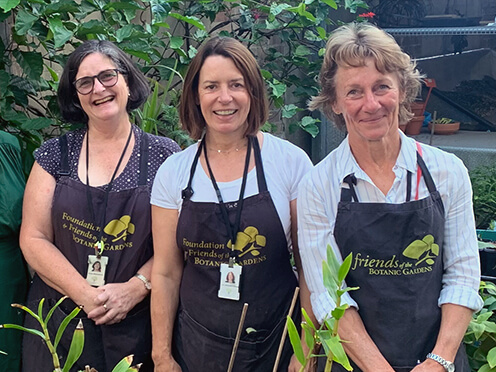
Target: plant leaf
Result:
[[344, 268], [76, 348], [64, 325], [24, 329], [294, 337]]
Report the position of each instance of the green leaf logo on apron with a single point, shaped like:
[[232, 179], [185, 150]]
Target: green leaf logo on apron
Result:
[[120, 228], [422, 250], [248, 241]]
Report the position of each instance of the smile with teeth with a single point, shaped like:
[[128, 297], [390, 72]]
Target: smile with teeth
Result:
[[103, 100], [225, 112]]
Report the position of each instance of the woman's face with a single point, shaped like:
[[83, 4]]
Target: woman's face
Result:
[[102, 104], [223, 95], [369, 101]]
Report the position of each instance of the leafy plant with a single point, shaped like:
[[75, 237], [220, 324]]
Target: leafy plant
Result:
[[443, 121], [484, 195], [327, 334], [480, 338], [161, 36], [77, 343]]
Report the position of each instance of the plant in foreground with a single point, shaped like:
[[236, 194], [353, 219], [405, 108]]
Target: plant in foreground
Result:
[[77, 342], [327, 334], [480, 338]]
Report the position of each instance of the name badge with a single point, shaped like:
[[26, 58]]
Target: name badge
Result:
[[229, 281], [96, 270]]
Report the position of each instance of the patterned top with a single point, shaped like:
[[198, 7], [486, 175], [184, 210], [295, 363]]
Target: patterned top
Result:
[[319, 193], [48, 157]]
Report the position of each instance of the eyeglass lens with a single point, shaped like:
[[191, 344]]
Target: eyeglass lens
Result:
[[108, 78]]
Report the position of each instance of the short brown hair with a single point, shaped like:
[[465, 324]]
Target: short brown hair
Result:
[[349, 46], [190, 113]]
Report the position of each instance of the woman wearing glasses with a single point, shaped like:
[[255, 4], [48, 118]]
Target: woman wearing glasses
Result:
[[87, 201]]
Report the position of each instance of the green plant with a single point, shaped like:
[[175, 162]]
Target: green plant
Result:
[[484, 195], [480, 338], [327, 334], [443, 121], [77, 342], [162, 36]]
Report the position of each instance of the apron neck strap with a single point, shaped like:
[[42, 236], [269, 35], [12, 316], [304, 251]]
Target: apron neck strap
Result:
[[144, 150]]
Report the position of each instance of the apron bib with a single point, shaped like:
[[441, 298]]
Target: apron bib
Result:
[[206, 325], [128, 245], [398, 264]]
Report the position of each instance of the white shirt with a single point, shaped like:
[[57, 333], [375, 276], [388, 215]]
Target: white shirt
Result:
[[284, 165], [319, 194]]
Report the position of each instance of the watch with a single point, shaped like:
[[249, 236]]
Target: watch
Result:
[[146, 282], [448, 366]]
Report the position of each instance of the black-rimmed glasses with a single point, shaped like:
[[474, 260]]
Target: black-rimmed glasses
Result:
[[108, 78]]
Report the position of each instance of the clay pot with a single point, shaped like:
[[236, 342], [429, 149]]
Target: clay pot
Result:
[[417, 108], [449, 128], [403, 127], [414, 125]]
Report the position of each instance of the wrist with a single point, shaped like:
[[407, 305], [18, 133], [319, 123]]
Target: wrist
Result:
[[445, 365], [140, 285]]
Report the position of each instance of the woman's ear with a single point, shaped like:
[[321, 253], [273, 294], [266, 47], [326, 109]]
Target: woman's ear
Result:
[[335, 109]]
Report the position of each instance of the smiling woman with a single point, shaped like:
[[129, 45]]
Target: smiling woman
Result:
[[225, 205], [86, 227], [390, 202]]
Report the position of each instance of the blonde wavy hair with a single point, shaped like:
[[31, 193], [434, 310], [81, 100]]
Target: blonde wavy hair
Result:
[[351, 45]]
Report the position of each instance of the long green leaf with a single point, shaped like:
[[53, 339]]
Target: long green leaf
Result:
[[329, 281], [24, 329], [50, 312], [24, 22], [64, 325], [294, 337], [338, 352], [491, 357], [76, 348], [344, 268], [333, 263]]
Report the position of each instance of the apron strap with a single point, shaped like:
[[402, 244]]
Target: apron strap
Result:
[[64, 157], [349, 194], [144, 159], [262, 183], [409, 186], [188, 192], [431, 186]]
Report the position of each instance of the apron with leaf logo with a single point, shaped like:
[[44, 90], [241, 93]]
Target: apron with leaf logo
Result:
[[128, 246], [206, 325], [398, 264]]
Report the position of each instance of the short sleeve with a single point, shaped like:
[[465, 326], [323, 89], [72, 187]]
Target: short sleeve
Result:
[[48, 156]]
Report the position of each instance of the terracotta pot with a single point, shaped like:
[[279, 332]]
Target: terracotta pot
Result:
[[449, 128], [403, 127], [417, 108], [413, 127]]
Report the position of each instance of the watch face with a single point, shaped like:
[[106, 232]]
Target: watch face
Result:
[[451, 367]]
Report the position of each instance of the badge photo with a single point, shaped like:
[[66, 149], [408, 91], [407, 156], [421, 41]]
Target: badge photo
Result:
[[96, 270], [229, 281]]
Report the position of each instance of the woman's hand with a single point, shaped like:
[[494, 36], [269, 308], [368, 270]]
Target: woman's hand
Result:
[[116, 300]]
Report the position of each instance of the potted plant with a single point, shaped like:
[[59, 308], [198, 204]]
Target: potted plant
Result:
[[444, 126]]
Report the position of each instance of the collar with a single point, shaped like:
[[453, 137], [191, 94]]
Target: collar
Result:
[[347, 164]]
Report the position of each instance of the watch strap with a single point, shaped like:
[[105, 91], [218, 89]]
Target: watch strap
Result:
[[448, 366], [146, 282]]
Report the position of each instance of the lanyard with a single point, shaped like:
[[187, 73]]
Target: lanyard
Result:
[[232, 230], [99, 244]]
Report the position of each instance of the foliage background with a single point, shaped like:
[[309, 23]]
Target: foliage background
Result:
[[161, 36]]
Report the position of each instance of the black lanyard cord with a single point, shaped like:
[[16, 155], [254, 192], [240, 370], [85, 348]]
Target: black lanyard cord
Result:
[[231, 229], [89, 197]]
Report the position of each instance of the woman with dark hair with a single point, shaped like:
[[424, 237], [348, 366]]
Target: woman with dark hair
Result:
[[402, 209], [87, 201], [230, 206]]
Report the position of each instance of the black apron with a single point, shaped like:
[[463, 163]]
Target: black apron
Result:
[[206, 325], [399, 283], [128, 246]]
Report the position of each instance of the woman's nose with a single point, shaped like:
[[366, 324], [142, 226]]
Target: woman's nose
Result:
[[225, 95], [371, 102], [97, 86]]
